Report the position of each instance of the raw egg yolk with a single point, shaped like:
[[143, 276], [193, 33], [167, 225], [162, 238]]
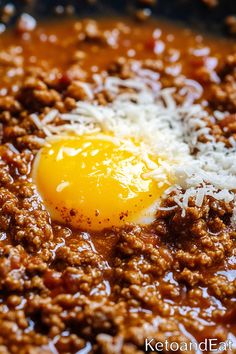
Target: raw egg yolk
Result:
[[96, 181]]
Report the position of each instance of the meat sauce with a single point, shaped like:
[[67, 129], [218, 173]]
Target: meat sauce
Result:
[[70, 291]]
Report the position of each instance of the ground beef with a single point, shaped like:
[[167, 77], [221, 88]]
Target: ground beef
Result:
[[63, 290], [224, 95]]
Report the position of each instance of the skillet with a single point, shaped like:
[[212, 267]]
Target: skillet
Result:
[[207, 15]]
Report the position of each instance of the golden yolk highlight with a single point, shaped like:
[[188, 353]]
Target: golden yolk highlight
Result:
[[95, 181]]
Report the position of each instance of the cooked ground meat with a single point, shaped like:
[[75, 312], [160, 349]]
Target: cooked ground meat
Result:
[[65, 290]]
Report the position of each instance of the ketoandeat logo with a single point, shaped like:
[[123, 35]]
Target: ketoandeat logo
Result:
[[208, 345]]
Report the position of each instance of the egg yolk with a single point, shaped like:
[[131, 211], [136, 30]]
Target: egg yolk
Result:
[[95, 181]]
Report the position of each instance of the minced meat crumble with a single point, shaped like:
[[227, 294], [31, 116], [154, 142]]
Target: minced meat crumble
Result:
[[70, 291]]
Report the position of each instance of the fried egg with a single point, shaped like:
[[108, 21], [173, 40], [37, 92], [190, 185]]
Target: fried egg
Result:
[[98, 181], [104, 166]]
